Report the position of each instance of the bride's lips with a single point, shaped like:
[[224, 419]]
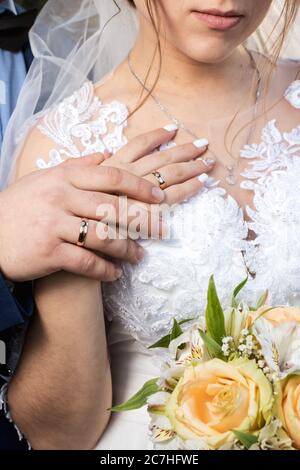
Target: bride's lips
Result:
[[219, 20]]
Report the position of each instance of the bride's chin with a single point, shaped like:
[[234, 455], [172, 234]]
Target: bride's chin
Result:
[[208, 52]]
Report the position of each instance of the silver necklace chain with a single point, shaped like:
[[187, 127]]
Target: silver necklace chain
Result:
[[231, 177]]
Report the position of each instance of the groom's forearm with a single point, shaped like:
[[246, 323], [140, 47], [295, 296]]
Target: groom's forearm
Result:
[[61, 391]]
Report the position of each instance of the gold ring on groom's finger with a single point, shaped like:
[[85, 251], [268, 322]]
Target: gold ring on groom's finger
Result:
[[84, 228], [161, 180]]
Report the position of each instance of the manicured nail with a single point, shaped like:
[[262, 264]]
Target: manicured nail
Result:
[[200, 143], [170, 127], [202, 178], [208, 161], [158, 194], [140, 253]]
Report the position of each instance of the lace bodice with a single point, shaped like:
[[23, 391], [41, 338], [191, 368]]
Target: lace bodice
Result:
[[172, 280]]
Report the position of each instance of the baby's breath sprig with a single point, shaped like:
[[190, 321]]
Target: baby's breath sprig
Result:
[[248, 345], [228, 346]]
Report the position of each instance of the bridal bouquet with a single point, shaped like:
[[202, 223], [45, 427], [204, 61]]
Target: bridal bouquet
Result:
[[230, 381]]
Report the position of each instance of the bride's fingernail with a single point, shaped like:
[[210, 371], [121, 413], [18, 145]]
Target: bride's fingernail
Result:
[[203, 178], [200, 143], [170, 127], [208, 161], [158, 194]]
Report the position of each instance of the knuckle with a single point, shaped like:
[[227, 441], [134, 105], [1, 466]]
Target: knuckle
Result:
[[135, 168], [167, 156], [141, 186], [120, 248], [176, 195], [144, 140], [44, 222], [59, 174], [114, 175], [95, 200], [191, 149], [110, 242], [201, 167], [46, 234], [98, 158], [87, 262], [64, 170], [55, 195], [179, 195], [178, 171], [107, 270], [129, 249]]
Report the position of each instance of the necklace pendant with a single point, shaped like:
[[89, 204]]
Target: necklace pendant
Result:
[[231, 179]]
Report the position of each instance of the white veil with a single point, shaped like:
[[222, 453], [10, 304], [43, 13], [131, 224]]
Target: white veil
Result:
[[79, 40]]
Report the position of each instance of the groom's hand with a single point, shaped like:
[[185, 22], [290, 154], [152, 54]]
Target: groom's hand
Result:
[[40, 219]]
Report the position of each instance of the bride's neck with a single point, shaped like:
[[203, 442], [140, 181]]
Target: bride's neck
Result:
[[177, 71]]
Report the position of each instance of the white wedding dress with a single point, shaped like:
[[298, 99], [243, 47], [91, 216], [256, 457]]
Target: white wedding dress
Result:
[[173, 278]]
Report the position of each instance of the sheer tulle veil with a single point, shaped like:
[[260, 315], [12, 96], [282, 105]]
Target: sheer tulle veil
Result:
[[79, 40]]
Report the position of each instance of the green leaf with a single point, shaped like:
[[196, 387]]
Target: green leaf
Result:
[[246, 439], [182, 322], [162, 343], [140, 398], [236, 291], [176, 330], [213, 348], [214, 315], [166, 340]]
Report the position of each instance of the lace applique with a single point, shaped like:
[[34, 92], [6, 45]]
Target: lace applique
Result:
[[273, 154], [275, 150], [275, 253], [274, 177], [292, 94], [82, 125]]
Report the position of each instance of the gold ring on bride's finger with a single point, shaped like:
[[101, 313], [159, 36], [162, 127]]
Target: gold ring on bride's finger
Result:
[[161, 180], [84, 227]]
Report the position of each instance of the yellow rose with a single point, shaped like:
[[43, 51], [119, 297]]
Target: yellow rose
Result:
[[278, 315], [290, 408], [215, 397]]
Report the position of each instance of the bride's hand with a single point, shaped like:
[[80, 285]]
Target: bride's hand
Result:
[[124, 174], [180, 166]]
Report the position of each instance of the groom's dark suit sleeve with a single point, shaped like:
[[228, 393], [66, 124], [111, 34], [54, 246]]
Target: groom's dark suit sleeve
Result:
[[16, 304]]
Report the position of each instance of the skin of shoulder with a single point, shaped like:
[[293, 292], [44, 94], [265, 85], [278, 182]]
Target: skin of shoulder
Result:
[[288, 70], [36, 145]]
